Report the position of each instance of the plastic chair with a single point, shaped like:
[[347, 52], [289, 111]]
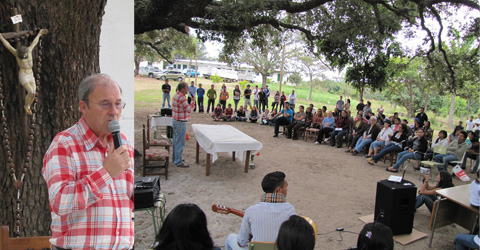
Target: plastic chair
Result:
[[258, 245], [437, 150]]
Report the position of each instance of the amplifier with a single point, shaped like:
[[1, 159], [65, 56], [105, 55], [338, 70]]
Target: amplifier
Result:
[[146, 191], [166, 112]]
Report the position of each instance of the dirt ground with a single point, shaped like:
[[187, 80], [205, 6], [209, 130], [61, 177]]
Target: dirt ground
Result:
[[326, 184]]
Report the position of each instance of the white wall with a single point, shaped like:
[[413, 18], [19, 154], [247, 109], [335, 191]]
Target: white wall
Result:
[[116, 55]]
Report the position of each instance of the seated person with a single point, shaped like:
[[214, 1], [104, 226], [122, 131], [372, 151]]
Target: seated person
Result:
[[404, 121], [295, 234], [455, 151], [217, 113], [475, 192], [272, 209], [368, 136], [265, 117], [375, 236], [298, 122], [184, 228], [328, 124], [416, 149], [253, 116], [317, 119], [284, 117], [341, 128], [441, 140], [271, 116], [396, 123], [467, 241], [229, 113], [241, 114], [396, 144], [309, 116], [428, 131], [426, 194], [382, 139], [359, 126], [472, 153]]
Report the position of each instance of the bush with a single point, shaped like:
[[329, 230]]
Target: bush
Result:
[[333, 87], [216, 79]]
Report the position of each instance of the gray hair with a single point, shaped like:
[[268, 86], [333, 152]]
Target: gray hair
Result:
[[88, 85], [182, 85], [373, 118]]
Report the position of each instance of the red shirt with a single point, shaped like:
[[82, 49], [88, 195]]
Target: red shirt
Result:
[[89, 208], [180, 108]]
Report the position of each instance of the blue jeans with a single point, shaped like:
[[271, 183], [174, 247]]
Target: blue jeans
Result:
[[179, 134], [445, 159], [387, 149], [427, 199], [361, 143], [405, 155], [166, 96], [339, 135], [377, 144], [464, 241]]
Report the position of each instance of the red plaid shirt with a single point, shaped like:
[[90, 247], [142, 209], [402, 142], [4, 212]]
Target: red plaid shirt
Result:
[[180, 108], [89, 208]]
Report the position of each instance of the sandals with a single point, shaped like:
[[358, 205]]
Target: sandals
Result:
[[393, 171]]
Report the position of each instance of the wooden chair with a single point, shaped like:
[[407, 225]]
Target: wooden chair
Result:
[[156, 154], [258, 245], [35, 243], [162, 142], [392, 157], [310, 133]]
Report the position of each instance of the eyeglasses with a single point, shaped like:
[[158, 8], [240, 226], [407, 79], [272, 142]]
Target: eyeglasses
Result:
[[105, 105]]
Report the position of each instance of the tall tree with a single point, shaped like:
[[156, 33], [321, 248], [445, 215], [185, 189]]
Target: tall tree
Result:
[[68, 53], [314, 67]]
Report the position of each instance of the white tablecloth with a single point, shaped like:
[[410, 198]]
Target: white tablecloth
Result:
[[224, 138], [161, 121]]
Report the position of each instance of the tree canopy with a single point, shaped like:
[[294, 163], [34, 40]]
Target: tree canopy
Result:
[[331, 27]]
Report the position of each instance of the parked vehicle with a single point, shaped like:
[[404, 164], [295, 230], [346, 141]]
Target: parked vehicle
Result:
[[228, 75], [149, 71], [170, 74], [190, 72]]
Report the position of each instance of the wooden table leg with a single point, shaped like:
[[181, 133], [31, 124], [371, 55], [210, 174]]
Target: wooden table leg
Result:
[[209, 156], [233, 156], [197, 149], [247, 162]]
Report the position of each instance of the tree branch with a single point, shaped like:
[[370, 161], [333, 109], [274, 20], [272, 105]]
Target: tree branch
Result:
[[154, 47]]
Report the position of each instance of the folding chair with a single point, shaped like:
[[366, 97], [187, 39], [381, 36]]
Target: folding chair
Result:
[[156, 154], [437, 150], [258, 245]]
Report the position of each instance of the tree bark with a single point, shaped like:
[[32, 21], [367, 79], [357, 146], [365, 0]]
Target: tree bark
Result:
[[69, 52], [452, 109], [311, 87]]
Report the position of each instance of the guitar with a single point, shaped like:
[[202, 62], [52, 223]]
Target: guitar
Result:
[[226, 210]]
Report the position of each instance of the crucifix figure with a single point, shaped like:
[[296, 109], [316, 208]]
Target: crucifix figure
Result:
[[25, 63]]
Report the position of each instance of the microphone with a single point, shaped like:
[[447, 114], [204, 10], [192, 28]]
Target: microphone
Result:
[[114, 128]]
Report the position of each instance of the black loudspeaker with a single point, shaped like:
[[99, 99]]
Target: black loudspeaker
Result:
[[166, 112], [395, 205], [146, 191]]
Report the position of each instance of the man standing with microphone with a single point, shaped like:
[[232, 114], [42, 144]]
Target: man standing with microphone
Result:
[[90, 183], [181, 113]]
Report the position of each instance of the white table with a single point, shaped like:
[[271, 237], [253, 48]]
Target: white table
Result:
[[160, 121], [224, 138]]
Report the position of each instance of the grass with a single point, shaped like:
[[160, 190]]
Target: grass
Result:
[[148, 92]]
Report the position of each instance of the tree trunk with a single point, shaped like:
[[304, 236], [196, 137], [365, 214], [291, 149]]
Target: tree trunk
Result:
[[264, 80], [137, 67], [69, 52], [450, 114], [360, 94], [311, 88]]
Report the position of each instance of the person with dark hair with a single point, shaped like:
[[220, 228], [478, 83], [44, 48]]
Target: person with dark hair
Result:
[[360, 105], [295, 234], [341, 129], [185, 228], [442, 140], [422, 117], [428, 131], [358, 128], [416, 149], [297, 123], [347, 105], [396, 143], [375, 236], [427, 194], [455, 151], [369, 135], [472, 153], [262, 221], [284, 117], [367, 110]]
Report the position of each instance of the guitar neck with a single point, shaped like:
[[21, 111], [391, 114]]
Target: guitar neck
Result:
[[237, 212]]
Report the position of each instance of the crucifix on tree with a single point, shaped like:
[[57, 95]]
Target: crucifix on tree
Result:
[[25, 63]]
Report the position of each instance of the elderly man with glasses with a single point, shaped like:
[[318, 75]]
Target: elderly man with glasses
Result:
[[90, 183]]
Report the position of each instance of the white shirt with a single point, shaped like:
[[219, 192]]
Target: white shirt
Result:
[[470, 125], [443, 142], [385, 134], [475, 193], [292, 98], [477, 122], [255, 94]]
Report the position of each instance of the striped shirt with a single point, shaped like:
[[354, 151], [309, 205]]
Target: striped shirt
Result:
[[89, 208], [180, 108], [263, 221]]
